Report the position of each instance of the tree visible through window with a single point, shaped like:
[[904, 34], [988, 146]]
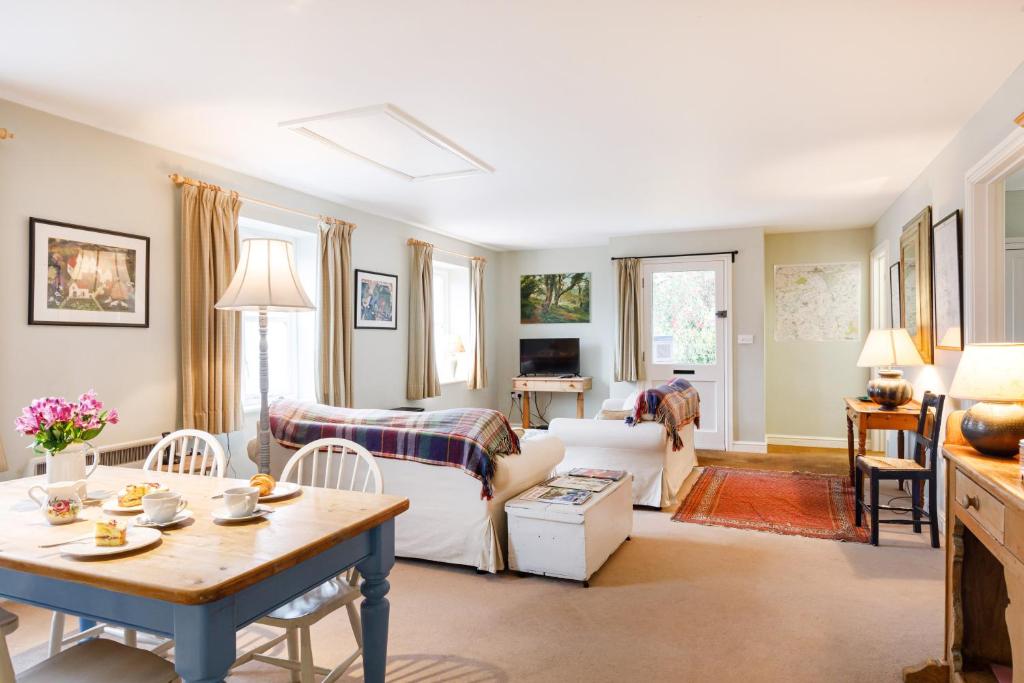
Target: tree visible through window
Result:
[[683, 325]]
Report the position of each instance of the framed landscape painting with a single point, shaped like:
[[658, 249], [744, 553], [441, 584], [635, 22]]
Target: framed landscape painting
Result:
[[86, 276], [376, 300], [948, 276], [554, 298]]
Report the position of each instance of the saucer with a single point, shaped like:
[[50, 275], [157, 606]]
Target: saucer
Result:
[[144, 521], [221, 515], [282, 490]]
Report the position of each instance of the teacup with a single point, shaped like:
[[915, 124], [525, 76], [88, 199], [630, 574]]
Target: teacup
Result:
[[241, 501], [162, 506]]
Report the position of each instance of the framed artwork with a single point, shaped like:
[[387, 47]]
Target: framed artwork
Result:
[[376, 300], [554, 298], [86, 276], [948, 283], [894, 294], [916, 282]]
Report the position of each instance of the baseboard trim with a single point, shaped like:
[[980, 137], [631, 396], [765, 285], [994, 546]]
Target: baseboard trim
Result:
[[806, 441], [748, 446]]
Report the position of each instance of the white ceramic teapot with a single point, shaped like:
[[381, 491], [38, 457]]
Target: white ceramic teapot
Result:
[[59, 502]]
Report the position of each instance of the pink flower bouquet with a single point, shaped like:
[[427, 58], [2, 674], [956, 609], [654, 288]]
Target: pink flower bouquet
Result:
[[56, 423]]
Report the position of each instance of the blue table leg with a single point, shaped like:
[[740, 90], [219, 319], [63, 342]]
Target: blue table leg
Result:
[[85, 624], [204, 641], [375, 607]]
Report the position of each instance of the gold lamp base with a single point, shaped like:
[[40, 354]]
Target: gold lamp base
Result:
[[994, 428]]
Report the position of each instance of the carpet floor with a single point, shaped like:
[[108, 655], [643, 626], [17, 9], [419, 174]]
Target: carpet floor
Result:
[[679, 602], [792, 503]]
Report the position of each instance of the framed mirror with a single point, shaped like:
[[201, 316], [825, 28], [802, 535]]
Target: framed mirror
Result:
[[916, 282]]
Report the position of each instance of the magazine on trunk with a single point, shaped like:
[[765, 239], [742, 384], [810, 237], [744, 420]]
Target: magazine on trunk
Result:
[[554, 494], [611, 475], [580, 483]]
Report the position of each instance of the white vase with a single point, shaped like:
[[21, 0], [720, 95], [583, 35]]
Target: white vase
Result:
[[69, 464]]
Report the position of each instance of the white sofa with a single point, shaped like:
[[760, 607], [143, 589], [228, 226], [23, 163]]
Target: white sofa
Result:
[[447, 520], [644, 450]]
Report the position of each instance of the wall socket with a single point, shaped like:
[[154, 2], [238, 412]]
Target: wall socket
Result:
[[744, 339]]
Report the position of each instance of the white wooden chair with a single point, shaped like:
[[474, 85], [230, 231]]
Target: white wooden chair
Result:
[[186, 451], [94, 661], [327, 463]]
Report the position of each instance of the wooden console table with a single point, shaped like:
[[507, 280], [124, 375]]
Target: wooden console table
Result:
[[571, 385], [867, 415], [984, 566]]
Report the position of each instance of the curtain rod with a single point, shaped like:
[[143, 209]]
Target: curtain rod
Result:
[[413, 240], [702, 253], [179, 179]]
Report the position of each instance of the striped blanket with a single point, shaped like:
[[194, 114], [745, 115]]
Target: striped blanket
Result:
[[674, 405], [471, 439]]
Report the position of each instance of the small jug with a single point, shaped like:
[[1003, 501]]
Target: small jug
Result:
[[59, 502]]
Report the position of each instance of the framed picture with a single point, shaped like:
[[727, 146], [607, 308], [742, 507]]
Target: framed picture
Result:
[[916, 282], [894, 294], [948, 283], [376, 300], [86, 276], [554, 298]]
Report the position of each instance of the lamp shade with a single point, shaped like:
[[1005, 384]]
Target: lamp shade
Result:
[[265, 279], [888, 347], [990, 372]]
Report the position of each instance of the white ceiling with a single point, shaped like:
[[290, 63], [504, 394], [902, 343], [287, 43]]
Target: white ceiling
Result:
[[600, 118]]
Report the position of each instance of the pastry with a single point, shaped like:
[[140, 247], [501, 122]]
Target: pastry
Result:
[[264, 482], [131, 495], [110, 532]]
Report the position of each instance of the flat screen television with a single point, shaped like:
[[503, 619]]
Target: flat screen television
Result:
[[549, 356]]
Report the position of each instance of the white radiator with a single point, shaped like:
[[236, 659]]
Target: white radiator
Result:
[[118, 454]]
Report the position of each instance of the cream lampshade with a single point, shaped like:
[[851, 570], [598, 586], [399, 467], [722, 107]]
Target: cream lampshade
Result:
[[994, 375], [883, 349], [265, 280]]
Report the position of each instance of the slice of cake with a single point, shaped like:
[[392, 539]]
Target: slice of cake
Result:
[[131, 495], [110, 532]]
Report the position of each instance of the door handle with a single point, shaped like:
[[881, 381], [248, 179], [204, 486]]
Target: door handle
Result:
[[721, 314], [684, 372]]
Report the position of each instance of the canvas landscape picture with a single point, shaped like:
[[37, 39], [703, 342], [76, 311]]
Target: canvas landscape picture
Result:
[[554, 298], [87, 276], [376, 300]]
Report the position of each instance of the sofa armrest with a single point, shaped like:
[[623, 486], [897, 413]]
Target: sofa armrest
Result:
[[645, 436], [614, 404]]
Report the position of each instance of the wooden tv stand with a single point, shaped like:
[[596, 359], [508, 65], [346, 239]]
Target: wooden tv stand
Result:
[[567, 385]]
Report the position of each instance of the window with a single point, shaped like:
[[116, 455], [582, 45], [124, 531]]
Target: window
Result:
[[683, 326], [291, 340], [451, 321]]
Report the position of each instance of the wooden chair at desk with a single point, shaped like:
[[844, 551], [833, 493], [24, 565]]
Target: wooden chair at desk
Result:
[[923, 468]]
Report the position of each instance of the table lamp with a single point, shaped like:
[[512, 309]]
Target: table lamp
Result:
[[994, 375], [883, 349], [265, 280]]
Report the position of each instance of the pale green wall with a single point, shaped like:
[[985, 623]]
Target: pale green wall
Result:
[[1015, 213], [806, 381]]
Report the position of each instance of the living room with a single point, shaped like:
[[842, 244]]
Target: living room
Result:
[[657, 342]]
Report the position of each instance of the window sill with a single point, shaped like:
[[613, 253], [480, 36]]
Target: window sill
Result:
[[446, 382]]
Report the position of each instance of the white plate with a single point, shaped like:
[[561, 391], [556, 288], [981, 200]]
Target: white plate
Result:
[[97, 496], [113, 506], [221, 515], [283, 489], [144, 521], [137, 538]]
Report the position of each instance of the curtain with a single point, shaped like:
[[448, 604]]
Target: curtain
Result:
[[334, 362], [478, 370], [210, 339], [421, 379], [629, 366], [3, 459]]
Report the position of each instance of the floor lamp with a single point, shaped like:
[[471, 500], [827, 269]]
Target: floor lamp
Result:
[[265, 280]]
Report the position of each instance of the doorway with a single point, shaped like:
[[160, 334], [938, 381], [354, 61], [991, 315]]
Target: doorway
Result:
[[686, 331]]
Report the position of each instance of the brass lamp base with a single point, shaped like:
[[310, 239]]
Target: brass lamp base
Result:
[[889, 389], [994, 428]]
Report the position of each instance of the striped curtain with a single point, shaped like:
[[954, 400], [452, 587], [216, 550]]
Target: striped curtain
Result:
[[334, 361], [421, 371], [629, 365], [478, 370]]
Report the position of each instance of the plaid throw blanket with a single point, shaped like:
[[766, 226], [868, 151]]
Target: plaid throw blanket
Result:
[[674, 405], [471, 439]]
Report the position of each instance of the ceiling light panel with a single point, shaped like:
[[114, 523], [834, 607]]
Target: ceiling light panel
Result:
[[391, 140]]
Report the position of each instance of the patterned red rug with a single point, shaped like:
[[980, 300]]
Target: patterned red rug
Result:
[[792, 503]]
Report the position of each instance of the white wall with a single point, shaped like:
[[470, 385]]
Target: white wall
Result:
[[598, 337], [1015, 213], [807, 380], [70, 172]]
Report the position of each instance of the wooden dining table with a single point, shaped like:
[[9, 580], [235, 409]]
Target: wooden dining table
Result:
[[204, 580]]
